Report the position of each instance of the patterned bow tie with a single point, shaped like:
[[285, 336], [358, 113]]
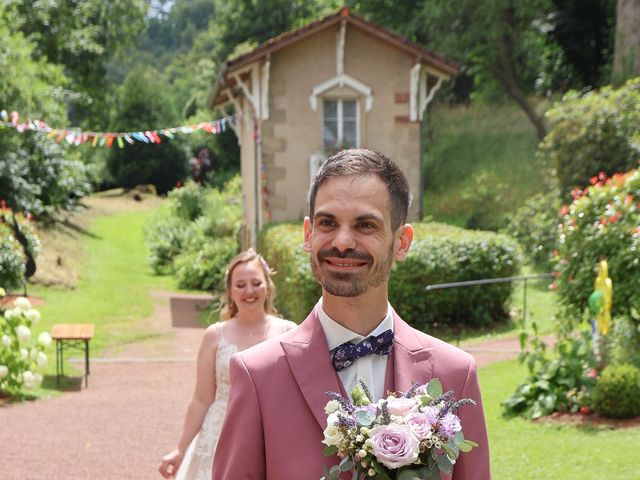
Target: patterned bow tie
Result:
[[344, 355]]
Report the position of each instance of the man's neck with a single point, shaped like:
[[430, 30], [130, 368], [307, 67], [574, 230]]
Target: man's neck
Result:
[[361, 314]]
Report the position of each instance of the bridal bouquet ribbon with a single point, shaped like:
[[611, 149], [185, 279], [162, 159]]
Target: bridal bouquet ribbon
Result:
[[412, 435]]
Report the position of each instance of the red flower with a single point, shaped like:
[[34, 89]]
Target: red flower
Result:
[[593, 373], [178, 184], [555, 251], [593, 180], [553, 286], [628, 200], [584, 410], [564, 210]]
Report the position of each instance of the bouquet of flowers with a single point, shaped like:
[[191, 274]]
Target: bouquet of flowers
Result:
[[406, 436]]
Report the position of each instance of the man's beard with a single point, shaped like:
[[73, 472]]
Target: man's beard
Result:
[[350, 284]]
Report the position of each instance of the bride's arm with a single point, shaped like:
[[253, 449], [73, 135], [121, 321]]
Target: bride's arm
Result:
[[203, 396]]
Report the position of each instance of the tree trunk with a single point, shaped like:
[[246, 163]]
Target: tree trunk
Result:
[[626, 59], [507, 76]]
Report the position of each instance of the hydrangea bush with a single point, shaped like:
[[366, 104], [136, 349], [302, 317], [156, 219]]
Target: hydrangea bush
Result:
[[22, 354]]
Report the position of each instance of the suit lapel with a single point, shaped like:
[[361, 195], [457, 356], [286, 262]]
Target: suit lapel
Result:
[[412, 360], [308, 357]]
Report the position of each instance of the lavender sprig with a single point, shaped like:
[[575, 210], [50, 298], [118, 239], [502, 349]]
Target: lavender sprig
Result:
[[384, 410], [412, 391], [346, 405], [366, 390], [344, 421]]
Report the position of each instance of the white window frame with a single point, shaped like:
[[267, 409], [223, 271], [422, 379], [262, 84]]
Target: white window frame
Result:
[[340, 120]]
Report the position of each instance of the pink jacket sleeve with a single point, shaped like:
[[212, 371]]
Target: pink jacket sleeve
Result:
[[473, 465], [240, 450]]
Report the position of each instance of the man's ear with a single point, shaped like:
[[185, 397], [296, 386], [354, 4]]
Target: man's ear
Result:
[[307, 234], [403, 241]]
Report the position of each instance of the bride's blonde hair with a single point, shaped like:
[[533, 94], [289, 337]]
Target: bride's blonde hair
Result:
[[230, 309]]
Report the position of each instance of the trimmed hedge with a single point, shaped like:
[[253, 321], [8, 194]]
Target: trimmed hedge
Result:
[[439, 254]]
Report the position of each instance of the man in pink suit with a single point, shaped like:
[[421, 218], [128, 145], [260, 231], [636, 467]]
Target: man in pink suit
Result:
[[275, 419]]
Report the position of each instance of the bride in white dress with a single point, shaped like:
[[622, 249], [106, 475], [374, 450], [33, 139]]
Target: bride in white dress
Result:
[[249, 320]]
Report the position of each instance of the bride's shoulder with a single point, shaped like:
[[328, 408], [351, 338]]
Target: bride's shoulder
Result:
[[284, 324]]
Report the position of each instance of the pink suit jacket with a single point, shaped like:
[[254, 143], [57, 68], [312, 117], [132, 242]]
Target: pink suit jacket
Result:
[[275, 416]]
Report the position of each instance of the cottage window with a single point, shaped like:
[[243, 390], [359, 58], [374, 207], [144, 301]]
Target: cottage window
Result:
[[340, 124]]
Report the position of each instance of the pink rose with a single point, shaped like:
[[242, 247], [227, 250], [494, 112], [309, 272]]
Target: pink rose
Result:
[[394, 445], [420, 425], [401, 406]]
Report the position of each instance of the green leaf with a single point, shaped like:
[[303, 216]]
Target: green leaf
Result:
[[346, 464], [445, 464], [434, 387], [409, 475], [380, 470], [458, 438], [364, 418], [330, 451]]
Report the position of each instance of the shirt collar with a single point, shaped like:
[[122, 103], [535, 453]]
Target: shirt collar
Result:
[[337, 334]]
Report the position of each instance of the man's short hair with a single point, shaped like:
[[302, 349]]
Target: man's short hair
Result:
[[361, 162]]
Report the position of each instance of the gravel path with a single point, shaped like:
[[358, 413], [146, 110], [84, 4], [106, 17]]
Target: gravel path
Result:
[[131, 414]]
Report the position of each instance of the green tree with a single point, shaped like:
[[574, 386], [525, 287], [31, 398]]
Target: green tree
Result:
[[143, 104]]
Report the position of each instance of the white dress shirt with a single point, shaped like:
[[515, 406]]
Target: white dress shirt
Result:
[[370, 369]]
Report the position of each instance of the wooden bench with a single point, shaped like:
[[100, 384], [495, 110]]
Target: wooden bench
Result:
[[72, 335]]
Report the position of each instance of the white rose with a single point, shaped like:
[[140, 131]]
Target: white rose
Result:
[[32, 315], [24, 353], [22, 303], [332, 435], [44, 339], [331, 406], [401, 406], [332, 419], [4, 371], [41, 359], [6, 341], [23, 333]]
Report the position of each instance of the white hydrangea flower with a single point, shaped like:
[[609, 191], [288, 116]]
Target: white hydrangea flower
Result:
[[37, 379], [6, 340], [41, 359], [32, 315], [23, 333], [33, 354], [10, 313], [44, 339], [24, 353], [22, 303], [29, 380], [3, 292], [4, 371]]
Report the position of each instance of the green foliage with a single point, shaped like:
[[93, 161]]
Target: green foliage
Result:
[[440, 254], [162, 165], [281, 246], [21, 355], [11, 259], [594, 132], [42, 177], [560, 383], [617, 393], [623, 342], [602, 223], [195, 234], [535, 227], [443, 254]]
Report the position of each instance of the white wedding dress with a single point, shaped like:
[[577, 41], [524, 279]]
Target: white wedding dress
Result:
[[198, 460]]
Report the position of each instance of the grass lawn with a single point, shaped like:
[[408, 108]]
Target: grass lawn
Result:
[[479, 160], [525, 450], [113, 289]]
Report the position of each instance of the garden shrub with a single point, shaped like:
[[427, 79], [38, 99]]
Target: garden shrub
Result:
[[195, 233], [12, 252], [535, 226], [603, 222], [562, 382], [21, 354], [11, 259], [617, 393], [623, 342], [594, 132], [439, 254]]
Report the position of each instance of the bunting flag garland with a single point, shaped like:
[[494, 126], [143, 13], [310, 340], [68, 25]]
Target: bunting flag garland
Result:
[[107, 139]]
